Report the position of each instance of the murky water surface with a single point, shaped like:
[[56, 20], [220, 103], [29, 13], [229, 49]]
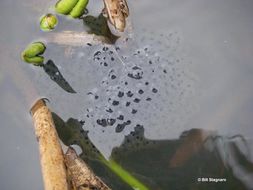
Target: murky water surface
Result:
[[185, 65]]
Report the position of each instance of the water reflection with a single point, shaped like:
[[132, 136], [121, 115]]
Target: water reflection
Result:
[[163, 164]]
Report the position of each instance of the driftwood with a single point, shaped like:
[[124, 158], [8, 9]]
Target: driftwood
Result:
[[51, 155], [81, 175]]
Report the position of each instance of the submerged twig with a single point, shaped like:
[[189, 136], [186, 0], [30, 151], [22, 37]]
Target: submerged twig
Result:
[[51, 155], [81, 175], [69, 132]]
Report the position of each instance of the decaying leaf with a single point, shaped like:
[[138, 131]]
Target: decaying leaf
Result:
[[117, 12], [81, 175]]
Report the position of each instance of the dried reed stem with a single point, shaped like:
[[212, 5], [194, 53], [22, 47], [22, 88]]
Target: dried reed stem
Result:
[[51, 155]]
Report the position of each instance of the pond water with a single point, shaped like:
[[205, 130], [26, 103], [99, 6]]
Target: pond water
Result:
[[200, 76]]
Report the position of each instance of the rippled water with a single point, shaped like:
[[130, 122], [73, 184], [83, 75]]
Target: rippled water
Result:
[[200, 52]]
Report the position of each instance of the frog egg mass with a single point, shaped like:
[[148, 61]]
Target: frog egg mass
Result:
[[139, 81], [137, 84]]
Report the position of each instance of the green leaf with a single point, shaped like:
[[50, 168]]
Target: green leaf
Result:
[[65, 6], [78, 10]]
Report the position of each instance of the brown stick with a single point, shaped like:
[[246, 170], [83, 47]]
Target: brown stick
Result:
[[52, 159], [81, 175]]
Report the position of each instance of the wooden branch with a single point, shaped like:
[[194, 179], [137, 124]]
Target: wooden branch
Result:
[[51, 155], [81, 175]]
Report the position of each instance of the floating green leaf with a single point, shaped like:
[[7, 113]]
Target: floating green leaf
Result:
[[75, 8], [38, 60], [78, 10], [32, 54], [65, 6], [48, 22]]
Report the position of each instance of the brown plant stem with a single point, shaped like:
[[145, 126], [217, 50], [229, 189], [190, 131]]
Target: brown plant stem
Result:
[[51, 155], [82, 177]]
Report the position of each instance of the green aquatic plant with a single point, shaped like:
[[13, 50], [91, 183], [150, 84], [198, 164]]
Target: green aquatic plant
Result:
[[48, 22], [32, 53], [71, 132], [75, 8], [79, 9], [123, 174], [65, 6]]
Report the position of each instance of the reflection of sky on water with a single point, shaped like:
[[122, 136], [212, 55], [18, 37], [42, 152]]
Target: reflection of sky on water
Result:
[[216, 38]]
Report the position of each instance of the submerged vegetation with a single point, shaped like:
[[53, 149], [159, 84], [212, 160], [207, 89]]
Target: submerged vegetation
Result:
[[72, 132], [161, 164]]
